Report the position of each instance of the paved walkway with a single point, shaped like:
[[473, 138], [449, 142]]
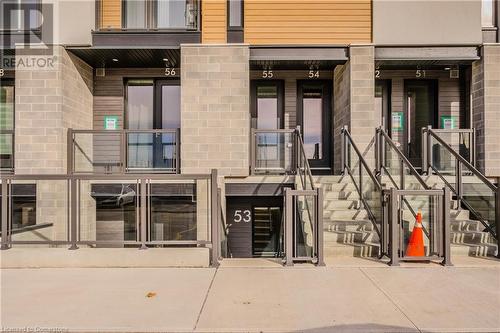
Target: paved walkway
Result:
[[254, 296]]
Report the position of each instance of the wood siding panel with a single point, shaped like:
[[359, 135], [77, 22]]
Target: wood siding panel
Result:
[[308, 22], [111, 14], [213, 21]]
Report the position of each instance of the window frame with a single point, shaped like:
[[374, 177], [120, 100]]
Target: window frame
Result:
[[10, 82], [242, 14], [38, 4], [494, 9]]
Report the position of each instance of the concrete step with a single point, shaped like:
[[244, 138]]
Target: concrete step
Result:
[[352, 250], [466, 225], [347, 214], [347, 225], [472, 237], [473, 250], [350, 237], [340, 204], [340, 195], [346, 187]]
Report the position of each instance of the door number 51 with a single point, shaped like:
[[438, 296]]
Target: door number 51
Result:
[[242, 215]]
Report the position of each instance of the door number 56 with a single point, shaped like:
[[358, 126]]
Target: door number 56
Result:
[[242, 215]]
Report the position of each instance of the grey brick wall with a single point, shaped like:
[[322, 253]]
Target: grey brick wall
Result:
[[354, 101], [215, 118], [48, 102], [486, 109]]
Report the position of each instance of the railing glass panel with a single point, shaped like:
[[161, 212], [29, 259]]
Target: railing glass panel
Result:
[[6, 150], [37, 212], [274, 150], [479, 199], [97, 152]]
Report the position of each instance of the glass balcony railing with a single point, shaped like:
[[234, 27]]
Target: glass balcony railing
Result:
[[124, 151], [148, 15], [6, 151]]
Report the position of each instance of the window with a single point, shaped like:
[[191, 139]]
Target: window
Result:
[[23, 207], [488, 12], [235, 12], [20, 15], [160, 14], [6, 125]]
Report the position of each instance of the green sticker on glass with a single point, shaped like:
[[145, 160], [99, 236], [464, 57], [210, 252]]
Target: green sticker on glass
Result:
[[448, 122], [110, 122], [397, 121]]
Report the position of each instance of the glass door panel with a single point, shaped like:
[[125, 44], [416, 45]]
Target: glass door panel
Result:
[[420, 112], [266, 231], [166, 144], [140, 116], [267, 116], [314, 112]]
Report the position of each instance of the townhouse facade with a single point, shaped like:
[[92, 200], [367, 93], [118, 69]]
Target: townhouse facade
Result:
[[183, 124]]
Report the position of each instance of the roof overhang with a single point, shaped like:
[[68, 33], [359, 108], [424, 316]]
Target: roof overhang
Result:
[[117, 57], [395, 56], [283, 57]]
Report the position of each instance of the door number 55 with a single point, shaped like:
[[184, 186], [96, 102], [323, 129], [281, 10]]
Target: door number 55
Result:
[[242, 215]]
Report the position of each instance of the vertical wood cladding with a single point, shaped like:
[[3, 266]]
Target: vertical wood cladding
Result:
[[111, 14], [308, 22], [213, 21]]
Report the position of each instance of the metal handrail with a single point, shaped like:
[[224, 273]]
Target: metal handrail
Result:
[[459, 184], [346, 137], [426, 154], [402, 157]]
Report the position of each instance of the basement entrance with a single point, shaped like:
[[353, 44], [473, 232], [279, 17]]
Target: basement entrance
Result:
[[254, 226]]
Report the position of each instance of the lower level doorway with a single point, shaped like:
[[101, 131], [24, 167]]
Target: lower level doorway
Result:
[[254, 226]]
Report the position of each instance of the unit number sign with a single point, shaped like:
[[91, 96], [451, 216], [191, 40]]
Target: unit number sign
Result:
[[2, 72], [242, 216]]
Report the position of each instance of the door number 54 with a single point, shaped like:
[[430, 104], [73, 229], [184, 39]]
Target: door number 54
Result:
[[242, 215]]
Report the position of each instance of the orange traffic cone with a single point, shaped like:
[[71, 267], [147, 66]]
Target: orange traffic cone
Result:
[[415, 246]]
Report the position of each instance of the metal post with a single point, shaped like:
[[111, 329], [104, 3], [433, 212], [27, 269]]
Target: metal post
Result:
[[143, 215], [288, 228], [5, 212], [123, 150], [178, 151], [214, 219], [394, 229], [446, 227], [73, 197], [497, 216], [401, 175], [319, 227], [377, 151], [473, 147], [342, 151], [458, 182], [253, 143], [428, 148], [69, 152]]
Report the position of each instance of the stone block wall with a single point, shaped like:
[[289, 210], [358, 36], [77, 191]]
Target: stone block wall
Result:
[[215, 120], [486, 109], [50, 100], [354, 101]]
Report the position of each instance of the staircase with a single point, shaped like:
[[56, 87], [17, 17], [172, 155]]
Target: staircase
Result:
[[347, 229], [349, 232]]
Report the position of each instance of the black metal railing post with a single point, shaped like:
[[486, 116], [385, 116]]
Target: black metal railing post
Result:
[[5, 215], [288, 227], [69, 152], [73, 215], [143, 213], [393, 228], [214, 219], [445, 216], [458, 182], [319, 226], [497, 216]]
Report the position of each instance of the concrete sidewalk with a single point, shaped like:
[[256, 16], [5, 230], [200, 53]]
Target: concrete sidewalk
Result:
[[255, 296]]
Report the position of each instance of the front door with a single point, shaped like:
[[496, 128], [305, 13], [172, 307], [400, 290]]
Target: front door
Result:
[[420, 111], [152, 121], [314, 114], [271, 155]]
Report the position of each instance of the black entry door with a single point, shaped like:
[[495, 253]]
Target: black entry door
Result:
[[152, 105], [420, 111], [314, 108]]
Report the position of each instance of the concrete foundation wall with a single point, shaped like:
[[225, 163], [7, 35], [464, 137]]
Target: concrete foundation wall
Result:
[[215, 118]]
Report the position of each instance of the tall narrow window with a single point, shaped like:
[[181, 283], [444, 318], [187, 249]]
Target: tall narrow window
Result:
[[135, 14], [6, 125], [488, 10], [235, 11]]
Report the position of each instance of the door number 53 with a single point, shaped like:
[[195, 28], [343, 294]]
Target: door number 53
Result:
[[242, 215]]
